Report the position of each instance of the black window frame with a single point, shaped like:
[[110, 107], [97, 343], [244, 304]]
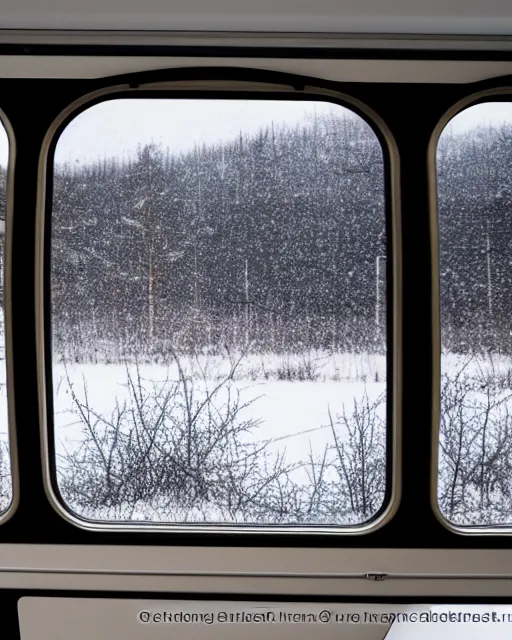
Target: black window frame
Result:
[[276, 87], [492, 95], [411, 111], [7, 514]]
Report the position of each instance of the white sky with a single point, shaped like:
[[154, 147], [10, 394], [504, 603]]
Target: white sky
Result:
[[494, 113], [117, 127]]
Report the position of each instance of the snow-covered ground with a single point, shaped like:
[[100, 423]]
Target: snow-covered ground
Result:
[[452, 363], [5, 465], [288, 397], [293, 403], [294, 414]]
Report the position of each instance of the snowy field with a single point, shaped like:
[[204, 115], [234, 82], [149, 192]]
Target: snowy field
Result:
[[477, 365], [289, 401], [5, 465], [4, 433], [295, 403], [294, 414], [270, 411]]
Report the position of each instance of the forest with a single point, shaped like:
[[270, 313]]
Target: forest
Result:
[[189, 288], [270, 240]]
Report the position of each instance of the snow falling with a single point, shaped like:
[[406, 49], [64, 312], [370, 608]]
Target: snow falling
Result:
[[219, 350], [219, 327]]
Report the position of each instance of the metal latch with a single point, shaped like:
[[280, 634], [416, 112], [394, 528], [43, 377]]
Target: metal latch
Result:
[[376, 577]]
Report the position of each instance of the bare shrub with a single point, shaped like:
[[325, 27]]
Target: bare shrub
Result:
[[303, 367], [475, 445], [5, 477], [182, 450], [177, 444], [360, 445], [344, 484]]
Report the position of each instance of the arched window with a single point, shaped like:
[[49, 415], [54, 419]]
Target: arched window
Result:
[[474, 174], [218, 314], [6, 483]]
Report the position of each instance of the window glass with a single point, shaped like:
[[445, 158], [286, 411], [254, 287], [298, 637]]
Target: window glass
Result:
[[5, 461], [219, 313], [474, 172]]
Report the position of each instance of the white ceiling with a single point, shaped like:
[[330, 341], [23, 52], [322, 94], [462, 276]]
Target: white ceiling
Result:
[[376, 24], [344, 16], [455, 71]]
